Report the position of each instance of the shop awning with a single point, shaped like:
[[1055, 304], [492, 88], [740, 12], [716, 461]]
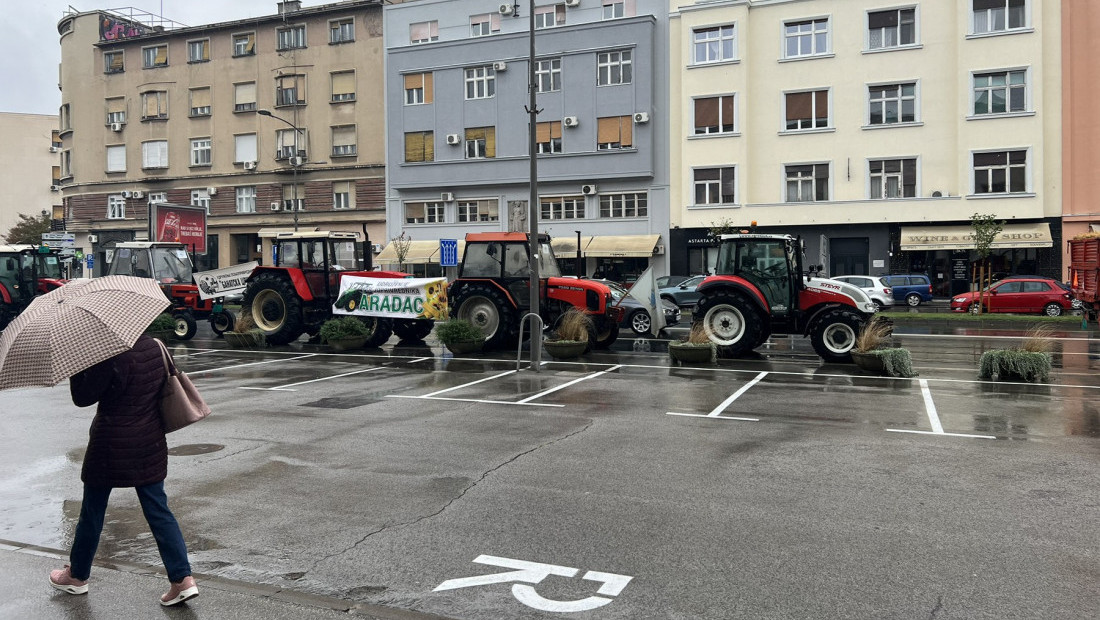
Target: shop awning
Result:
[[1035, 235], [614, 246], [420, 252], [566, 247]]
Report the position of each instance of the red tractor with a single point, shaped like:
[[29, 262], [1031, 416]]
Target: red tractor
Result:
[[296, 295], [170, 265], [759, 289], [493, 290]]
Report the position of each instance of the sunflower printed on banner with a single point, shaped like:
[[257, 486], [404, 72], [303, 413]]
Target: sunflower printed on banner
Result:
[[395, 298]]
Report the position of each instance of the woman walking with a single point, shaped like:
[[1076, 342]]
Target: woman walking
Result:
[[126, 449]]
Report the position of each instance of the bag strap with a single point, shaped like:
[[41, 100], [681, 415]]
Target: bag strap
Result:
[[169, 367]]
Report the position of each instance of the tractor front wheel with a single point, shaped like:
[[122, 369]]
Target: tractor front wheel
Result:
[[275, 308], [731, 322], [222, 322], [607, 332], [186, 326], [833, 335], [491, 312]]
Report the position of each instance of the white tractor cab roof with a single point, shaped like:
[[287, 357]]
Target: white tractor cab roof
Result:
[[318, 234], [166, 262]]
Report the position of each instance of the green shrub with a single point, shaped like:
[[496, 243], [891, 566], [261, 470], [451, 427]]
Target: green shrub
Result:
[[897, 362], [163, 323], [1007, 364], [343, 327], [457, 330]]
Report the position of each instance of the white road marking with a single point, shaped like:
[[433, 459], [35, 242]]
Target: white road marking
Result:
[[899, 430], [474, 400], [712, 417], [726, 403], [930, 407], [288, 359], [565, 385], [457, 387], [286, 388]]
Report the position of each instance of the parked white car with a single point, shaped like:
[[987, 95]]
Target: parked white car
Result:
[[875, 288]]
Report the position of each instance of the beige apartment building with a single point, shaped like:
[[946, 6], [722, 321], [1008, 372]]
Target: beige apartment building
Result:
[[873, 129], [269, 123], [29, 167], [1081, 144]]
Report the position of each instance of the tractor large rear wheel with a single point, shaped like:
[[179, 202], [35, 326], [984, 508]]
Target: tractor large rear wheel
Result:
[[833, 334], [490, 311], [412, 329], [275, 308], [380, 330], [731, 322]]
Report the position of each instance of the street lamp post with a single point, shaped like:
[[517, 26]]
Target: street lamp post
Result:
[[295, 161]]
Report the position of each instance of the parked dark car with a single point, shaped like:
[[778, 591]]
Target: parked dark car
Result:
[[682, 294], [635, 316], [912, 288], [1024, 295], [666, 281]]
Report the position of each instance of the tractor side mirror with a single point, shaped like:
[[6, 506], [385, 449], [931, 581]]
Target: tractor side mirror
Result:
[[9, 264], [491, 250]]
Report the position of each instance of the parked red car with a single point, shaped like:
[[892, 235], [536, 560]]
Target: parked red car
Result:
[[1019, 294]]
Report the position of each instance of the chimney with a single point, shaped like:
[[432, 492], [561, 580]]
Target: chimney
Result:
[[289, 6]]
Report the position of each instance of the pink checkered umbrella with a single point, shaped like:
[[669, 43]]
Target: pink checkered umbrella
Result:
[[76, 326]]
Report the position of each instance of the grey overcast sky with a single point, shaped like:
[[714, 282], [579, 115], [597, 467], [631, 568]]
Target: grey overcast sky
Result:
[[31, 51]]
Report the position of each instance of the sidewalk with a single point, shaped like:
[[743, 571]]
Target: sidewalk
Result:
[[130, 591]]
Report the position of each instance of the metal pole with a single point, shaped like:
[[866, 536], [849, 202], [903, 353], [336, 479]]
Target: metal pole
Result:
[[533, 205], [580, 260]]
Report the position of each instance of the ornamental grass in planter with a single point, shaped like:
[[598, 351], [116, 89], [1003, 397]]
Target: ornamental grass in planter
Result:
[[872, 355], [460, 336], [245, 334], [570, 336], [695, 348], [1028, 362], [344, 333]]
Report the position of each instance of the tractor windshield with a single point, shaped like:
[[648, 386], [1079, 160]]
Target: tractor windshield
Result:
[[344, 255], [171, 265], [49, 266], [764, 263], [548, 265]]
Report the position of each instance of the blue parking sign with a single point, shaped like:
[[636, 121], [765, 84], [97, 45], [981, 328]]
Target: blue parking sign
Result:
[[448, 253], [90, 261]]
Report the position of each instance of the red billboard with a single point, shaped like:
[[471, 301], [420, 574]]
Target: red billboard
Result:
[[180, 224]]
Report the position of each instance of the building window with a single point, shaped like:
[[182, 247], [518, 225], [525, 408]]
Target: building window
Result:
[[807, 110], [481, 142], [807, 183], [294, 197], [424, 32], [246, 199], [198, 51], [484, 25], [418, 88], [201, 198], [549, 16], [624, 205], [419, 146], [342, 195], [1000, 172], [116, 158], [200, 101], [66, 164], [290, 143], [244, 147], [892, 103], [715, 44], [341, 30], [806, 38], [999, 15], [158, 197], [292, 37], [244, 97], [487, 210], [343, 86], [423, 212], [548, 75], [715, 186], [480, 82], [65, 120], [714, 115], [200, 151], [155, 56], [561, 207], [154, 105], [548, 137], [343, 141], [113, 62], [116, 207], [892, 178], [1000, 92], [116, 110], [614, 132], [891, 28], [614, 9], [613, 68], [244, 44], [154, 154], [290, 90]]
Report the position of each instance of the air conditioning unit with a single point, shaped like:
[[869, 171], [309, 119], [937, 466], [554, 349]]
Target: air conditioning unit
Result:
[[376, 248], [116, 126], [55, 149], [447, 197], [588, 190], [127, 194], [506, 9], [55, 188], [453, 138], [249, 165], [274, 206], [139, 194], [93, 238], [570, 121], [572, 2], [213, 191], [500, 65], [641, 117], [297, 161]]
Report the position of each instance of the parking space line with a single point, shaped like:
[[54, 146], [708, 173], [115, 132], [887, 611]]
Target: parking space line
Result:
[[287, 359], [565, 385], [286, 388], [934, 418], [474, 400], [457, 387], [726, 403]]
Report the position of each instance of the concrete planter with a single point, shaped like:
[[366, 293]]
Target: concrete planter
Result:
[[463, 347], [564, 349], [691, 353], [348, 344]]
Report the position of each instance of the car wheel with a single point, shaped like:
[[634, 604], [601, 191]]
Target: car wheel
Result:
[[913, 299], [1052, 309], [974, 308], [640, 322], [878, 305]]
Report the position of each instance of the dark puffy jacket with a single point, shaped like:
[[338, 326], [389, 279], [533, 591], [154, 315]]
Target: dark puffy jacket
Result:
[[126, 447]]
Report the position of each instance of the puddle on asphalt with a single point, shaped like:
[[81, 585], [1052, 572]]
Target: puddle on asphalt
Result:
[[76, 455], [193, 449]]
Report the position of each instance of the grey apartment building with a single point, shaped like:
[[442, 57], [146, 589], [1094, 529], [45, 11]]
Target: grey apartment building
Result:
[[457, 127]]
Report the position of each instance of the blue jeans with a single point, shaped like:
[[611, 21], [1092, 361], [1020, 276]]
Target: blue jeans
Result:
[[166, 531]]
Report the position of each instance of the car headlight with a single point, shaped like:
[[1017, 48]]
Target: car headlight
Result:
[[959, 300]]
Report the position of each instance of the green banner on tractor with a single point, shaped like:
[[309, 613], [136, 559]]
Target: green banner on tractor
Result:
[[395, 298]]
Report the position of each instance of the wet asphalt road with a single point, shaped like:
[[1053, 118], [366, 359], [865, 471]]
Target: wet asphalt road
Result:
[[770, 487]]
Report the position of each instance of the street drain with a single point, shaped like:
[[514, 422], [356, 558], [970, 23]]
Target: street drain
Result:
[[193, 449]]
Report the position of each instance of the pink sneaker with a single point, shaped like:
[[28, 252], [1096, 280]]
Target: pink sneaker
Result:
[[63, 580], [185, 590]]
